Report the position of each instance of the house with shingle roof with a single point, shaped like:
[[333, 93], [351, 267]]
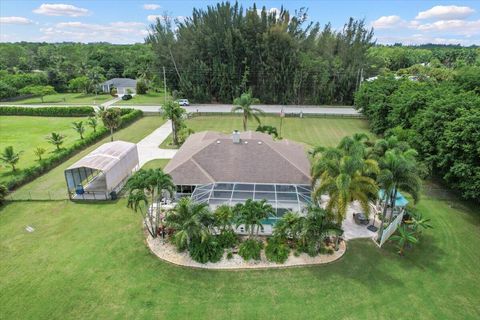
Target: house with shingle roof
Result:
[[121, 84], [217, 169]]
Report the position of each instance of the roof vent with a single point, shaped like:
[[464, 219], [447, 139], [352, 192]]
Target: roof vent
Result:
[[218, 141], [246, 142], [259, 142], [236, 136]]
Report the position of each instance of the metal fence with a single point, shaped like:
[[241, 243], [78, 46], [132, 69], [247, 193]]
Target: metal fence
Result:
[[287, 115]]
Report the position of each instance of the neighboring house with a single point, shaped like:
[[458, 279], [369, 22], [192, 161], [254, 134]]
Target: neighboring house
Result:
[[103, 172], [218, 169], [122, 85]]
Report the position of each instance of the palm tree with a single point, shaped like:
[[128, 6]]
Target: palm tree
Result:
[[93, 123], [399, 171], [403, 238], [10, 157], [78, 126], [39, 151], [345, 179], [289, 226], [173, 112], [56, 139], [111, 118], [316, 226], [243, 103], [191, 221], [146, 188], [223, 217], [251, 214]]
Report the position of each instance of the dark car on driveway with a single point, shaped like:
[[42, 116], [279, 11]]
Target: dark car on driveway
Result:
[[127, 97]]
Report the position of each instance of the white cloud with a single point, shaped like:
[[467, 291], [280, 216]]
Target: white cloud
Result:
[[151, 6], [417, 39], [269, 11], [153, 17], [15, 20], [59, 9], [457, 27], [445, 13], [115, 32], [387, 22]]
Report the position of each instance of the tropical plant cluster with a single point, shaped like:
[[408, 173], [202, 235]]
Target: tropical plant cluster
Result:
[[439, 118], [61, 154]]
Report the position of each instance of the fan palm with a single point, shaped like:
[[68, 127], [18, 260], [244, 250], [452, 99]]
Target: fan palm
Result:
[[78, 126], [403, 238], [10, 157], [191, 221], [251, 214], [56, 139], [244, 104]]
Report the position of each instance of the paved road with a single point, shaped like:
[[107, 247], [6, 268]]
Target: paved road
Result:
[[215, 108]]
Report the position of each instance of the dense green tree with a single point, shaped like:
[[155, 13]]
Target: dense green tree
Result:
[[39, 91], [111, 118]]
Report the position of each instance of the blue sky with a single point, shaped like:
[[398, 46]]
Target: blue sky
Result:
[[123, 21]]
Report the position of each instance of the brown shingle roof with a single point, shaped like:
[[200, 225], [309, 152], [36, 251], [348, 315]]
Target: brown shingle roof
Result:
[[208, 157]]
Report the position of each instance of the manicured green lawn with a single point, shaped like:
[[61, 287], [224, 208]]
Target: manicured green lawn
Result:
[[311, 131], [148, 99], [90, 261], [26, 133], [54, 181], [66, 98], [157, 163]]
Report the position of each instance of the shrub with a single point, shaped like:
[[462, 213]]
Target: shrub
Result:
[[48, 111], [141, 87], [277, 250], [229, 255], [227, 239], [4, 192], [205, 251], [30, 173], [250, 249]]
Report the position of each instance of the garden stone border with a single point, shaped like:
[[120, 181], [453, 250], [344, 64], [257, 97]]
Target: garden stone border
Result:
[[167, 252]]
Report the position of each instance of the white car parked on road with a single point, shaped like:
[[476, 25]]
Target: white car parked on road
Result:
[[183, 102]]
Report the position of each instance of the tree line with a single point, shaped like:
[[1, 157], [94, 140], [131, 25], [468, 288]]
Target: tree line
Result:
[[439, 117]]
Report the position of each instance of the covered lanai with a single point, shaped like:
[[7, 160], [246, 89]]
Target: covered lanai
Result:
[[102, 173]]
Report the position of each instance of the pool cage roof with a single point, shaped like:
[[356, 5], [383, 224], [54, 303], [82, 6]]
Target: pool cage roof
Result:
[[282, 197]]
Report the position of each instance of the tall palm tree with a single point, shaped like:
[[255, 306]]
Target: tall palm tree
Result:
[[345, 178], [78, 126], [10, 157], [174, 112], [251, 214], [111, 118], [146, 188], [399, 171], [191, 220], [244, 104], [56, 139]]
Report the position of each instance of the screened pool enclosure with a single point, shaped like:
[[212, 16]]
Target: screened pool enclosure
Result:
[[282, 197], [103, 172]]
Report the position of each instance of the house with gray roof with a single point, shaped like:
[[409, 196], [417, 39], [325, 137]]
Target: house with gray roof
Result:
[[122, 85], [219, 169]]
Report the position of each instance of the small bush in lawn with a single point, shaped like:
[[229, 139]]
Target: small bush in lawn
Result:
[[207, 251], [227, 239], [277, 250], [250, 249]]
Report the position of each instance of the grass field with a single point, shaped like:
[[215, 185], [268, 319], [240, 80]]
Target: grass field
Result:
[[66, 98], [157, 163], [311, 131], [151, 98], [54, 181], [26, 133], [90, 261]]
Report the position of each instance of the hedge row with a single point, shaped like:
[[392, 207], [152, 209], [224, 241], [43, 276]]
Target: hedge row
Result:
[[30, 173], [47, 111]]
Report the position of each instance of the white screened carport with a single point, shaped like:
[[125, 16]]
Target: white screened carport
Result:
[[103, 172]]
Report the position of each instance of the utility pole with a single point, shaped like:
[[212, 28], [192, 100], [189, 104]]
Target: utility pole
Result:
[[164, 86]]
